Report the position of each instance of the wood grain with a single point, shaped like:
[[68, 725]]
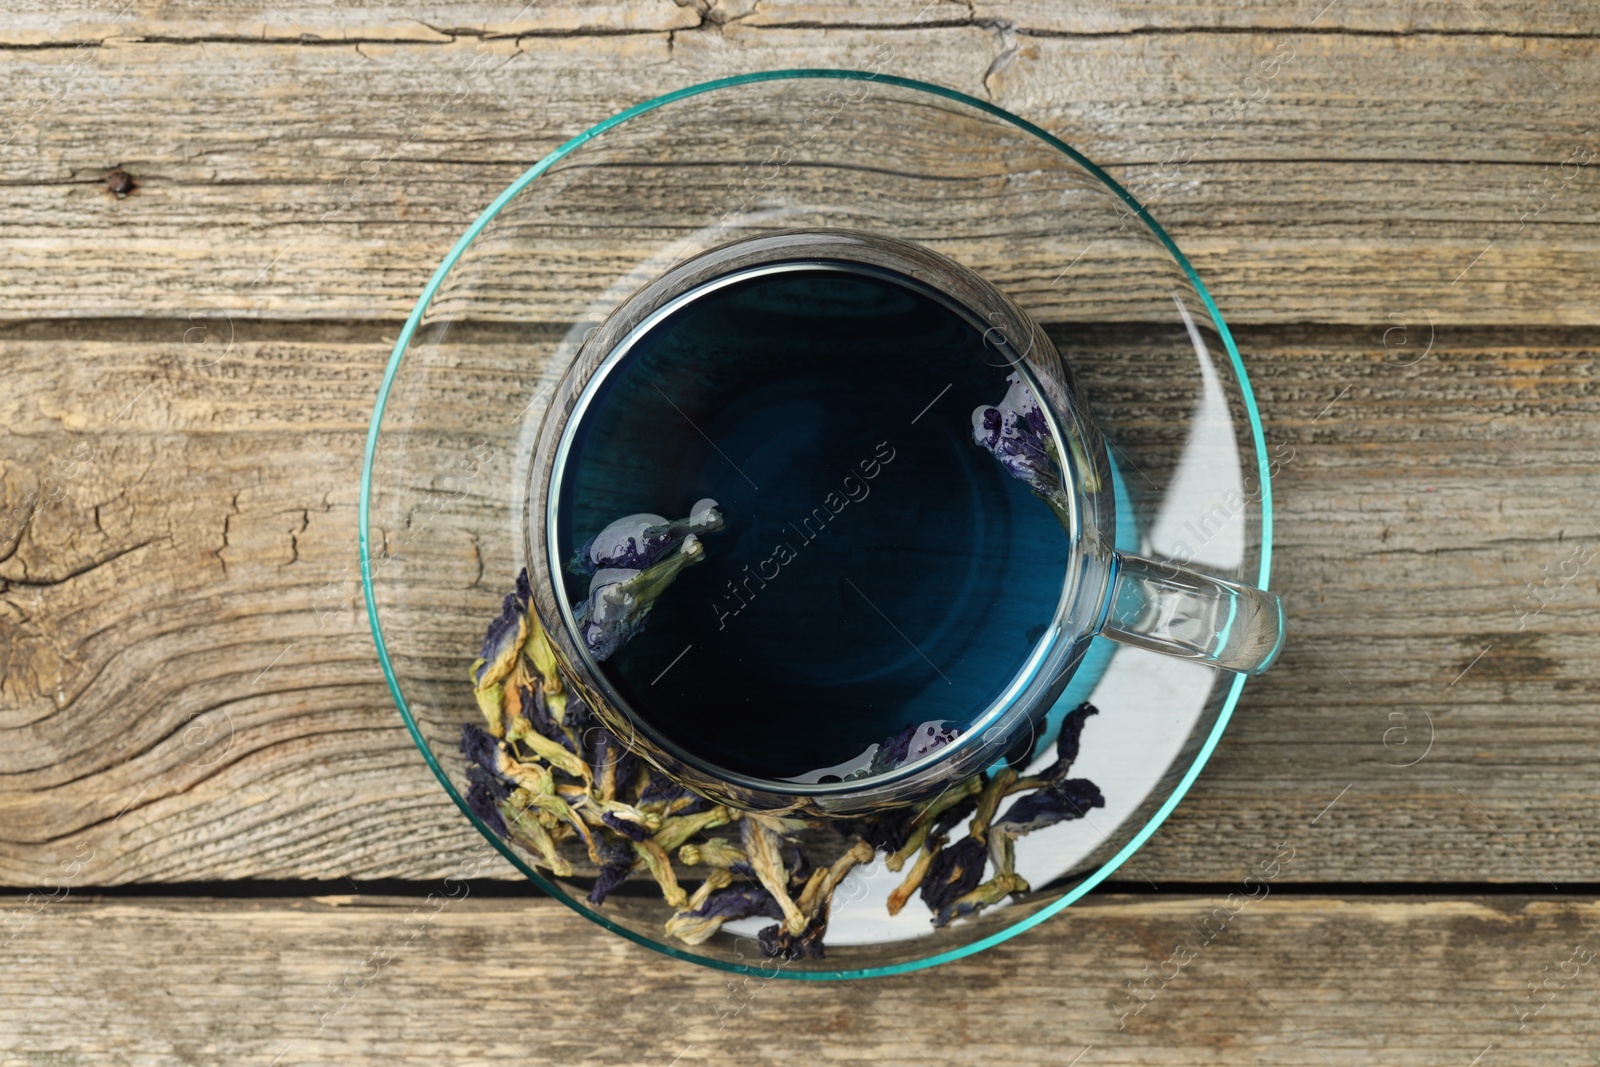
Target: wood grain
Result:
[[1286, 981], [39, 22], [1367, 171], [189, 685], [1396, 223]]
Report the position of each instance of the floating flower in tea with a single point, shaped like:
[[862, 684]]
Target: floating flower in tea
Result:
[[631, 563], [637, 541], [1016, 432]]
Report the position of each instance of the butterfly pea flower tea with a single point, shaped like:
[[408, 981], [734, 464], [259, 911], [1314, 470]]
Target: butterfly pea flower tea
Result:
[[815, 491]]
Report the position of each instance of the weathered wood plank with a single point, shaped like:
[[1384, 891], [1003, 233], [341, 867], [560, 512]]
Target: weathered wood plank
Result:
[[290, 182], [366, 979], [44, 23], [65, 25], [187, 684]]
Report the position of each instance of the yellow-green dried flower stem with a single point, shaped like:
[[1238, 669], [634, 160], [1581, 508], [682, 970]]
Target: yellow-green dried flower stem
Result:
[[990, 892], [551, 752], [678, 829], [536, 838], [819, 888], [989, 803], [659, 865], [764, 847], [718, 878], [717, 852], [914, 877]]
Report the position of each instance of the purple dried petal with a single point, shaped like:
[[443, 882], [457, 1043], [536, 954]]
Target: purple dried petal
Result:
[[578, 716], [635, 542], [482, 802], [778, 943], [955, 870], [621, 544], [1018, 435], [611, 760], [664, 790], [479, 746], [739, 902], [986, 428], [500, 640], [911, 744], [1067, 742], [886, 832], [893, 751], [537, 710], [499, 787], [1061, 802], [1034, 417], [616, 862], [625, 827]]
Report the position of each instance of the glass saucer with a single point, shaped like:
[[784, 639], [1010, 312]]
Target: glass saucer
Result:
[[443, 493]]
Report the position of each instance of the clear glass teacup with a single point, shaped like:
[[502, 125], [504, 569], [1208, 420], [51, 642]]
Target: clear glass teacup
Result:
[[819, 523]]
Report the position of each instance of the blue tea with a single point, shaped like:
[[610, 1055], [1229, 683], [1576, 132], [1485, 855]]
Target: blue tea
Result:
[[858, 570]]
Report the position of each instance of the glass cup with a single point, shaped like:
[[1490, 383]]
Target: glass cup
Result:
[[1162, 606]]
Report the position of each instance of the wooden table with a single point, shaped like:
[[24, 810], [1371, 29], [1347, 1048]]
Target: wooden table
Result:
[[212, 823]]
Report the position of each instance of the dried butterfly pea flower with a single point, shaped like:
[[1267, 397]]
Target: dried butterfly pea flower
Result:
[[484, 796], [994, 790], [615, 768], [676, 830], [764, 847], [626, 827], [991, 892], [637, 541], [911, 744], [1016, 432], [820, 885], [954, 871], [595, 809], [502, 643], [535, 708], [526, 829], [777, 942], [659, 865], [1068, 741], [696, 925], [556, 755], [951, 885], [922, 819], [616, 861], [716, 852], [1068, 799], [620, 599], [516, 793], [537, 792]]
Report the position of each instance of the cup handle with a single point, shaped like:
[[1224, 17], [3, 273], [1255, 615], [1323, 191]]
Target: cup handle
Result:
[[1166, 608]]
